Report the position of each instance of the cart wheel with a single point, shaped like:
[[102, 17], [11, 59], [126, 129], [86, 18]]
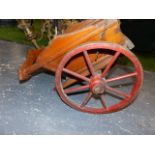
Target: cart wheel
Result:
[[105, 91]]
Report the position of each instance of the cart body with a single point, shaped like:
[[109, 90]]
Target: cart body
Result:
[[75, 35]]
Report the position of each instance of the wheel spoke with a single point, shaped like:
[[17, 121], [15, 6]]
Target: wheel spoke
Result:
[[110, 63], [118, 92], [86, 100], [76, 75], [122, 77], [74, 89], [103, 101], [90, 66]]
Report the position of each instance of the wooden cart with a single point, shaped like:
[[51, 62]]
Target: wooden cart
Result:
[[82, 58]]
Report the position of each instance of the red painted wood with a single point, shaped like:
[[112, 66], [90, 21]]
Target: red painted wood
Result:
[[125, 100]]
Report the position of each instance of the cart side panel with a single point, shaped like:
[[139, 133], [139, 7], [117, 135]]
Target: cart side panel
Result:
[[53, 54], [79, 61], [64, 43]]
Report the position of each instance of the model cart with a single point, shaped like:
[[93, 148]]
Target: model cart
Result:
[[83, 59]]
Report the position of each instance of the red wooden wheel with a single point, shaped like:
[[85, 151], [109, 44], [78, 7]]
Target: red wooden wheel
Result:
[[100, 92]]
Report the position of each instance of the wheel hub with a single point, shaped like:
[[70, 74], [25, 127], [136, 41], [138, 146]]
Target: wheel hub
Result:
[[97, 85]]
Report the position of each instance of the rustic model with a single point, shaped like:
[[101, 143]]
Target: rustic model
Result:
[[82, 59]]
